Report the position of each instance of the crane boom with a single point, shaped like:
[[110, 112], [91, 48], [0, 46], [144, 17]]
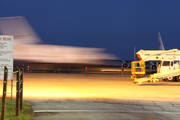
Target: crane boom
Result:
[[148, 55]]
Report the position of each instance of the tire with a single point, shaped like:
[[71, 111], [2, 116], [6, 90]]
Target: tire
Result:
[[172, 79], [178, 78]]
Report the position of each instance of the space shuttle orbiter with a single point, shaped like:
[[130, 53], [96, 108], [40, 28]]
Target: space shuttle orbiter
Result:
[[27, 49]]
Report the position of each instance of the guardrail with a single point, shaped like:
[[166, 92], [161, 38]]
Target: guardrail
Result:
[[19, 91]]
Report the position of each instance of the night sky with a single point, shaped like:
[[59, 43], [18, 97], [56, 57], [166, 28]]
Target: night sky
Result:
[[117, 25]]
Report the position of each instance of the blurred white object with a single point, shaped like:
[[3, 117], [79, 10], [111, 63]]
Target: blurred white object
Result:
[[26, 49], [59, 54], [21, 30]]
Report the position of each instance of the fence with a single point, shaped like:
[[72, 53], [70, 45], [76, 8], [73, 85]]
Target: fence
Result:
[[19, 90]]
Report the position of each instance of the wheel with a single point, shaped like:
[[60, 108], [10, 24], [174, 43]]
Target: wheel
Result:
[[178, 78], [170, 79]]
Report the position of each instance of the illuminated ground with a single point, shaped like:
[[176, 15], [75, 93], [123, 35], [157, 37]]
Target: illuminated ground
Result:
[[104, 86], [59, 86], [98, 95]]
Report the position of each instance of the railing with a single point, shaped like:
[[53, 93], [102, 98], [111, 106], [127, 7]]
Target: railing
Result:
[[19, 90]]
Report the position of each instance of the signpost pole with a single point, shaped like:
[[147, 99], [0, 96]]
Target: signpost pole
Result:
[[4, 93]]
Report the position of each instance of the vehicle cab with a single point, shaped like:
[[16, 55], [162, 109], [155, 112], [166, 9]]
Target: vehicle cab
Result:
[[168, 65]]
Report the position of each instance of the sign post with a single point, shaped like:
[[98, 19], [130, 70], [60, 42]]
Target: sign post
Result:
[[4, 93], [6, 55]]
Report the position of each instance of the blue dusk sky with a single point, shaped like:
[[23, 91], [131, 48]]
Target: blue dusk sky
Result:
[[116, 25]]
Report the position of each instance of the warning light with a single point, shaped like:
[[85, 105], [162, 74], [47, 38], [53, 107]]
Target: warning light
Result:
[[28, 66]]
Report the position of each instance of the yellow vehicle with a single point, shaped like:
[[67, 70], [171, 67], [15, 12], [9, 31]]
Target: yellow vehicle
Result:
[[167, 70]]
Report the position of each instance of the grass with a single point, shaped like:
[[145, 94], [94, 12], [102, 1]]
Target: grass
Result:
[[10, 110]]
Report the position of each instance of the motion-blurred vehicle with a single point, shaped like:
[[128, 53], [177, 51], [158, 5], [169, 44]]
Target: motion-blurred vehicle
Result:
[[29, 52]]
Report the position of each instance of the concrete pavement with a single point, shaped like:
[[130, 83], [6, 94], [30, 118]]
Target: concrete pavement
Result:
[[99, 97], [105, 110]]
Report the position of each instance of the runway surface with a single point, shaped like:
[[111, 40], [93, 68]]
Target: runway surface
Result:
[[99, 97]]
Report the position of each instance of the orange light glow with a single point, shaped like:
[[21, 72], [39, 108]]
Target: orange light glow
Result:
[[95, 86]]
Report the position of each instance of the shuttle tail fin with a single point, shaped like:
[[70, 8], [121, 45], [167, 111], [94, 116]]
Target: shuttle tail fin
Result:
[[161, 46], [19, 27]]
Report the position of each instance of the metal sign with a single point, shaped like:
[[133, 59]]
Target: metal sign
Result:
[[6, 55]]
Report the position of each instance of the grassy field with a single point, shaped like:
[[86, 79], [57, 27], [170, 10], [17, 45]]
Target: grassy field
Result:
[[10, 111]]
